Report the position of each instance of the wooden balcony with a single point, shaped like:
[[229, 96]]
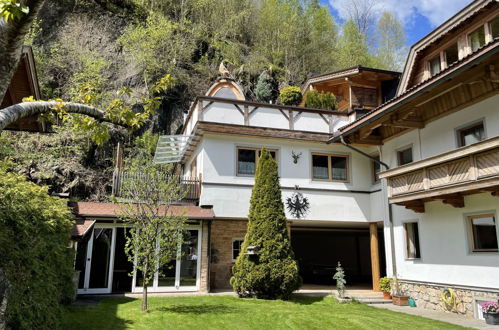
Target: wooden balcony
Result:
[[191, 187], [447, 177]]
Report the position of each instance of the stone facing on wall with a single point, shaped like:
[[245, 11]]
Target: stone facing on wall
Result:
[[429, 296], [204, 273], [222, 234]]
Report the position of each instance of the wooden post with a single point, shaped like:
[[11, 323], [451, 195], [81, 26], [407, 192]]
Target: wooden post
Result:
[[373, 233]]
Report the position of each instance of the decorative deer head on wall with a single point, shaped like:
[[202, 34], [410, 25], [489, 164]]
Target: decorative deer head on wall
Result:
[[295, 156]]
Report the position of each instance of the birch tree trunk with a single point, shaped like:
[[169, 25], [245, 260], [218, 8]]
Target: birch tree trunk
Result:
[[12, 36], [15, 112]]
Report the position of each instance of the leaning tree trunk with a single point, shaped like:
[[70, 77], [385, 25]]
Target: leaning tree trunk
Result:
[[4, 297], [15, 112], [12, 36]]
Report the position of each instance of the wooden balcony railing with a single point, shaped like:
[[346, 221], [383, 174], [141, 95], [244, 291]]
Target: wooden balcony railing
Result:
[[446, 177], [191, 187]]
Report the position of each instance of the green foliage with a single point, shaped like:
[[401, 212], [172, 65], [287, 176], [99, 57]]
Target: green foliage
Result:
[[385, 284], [273, 273], [324, 100], [11, 10], [391, 50], [290, 95], [352, 48], [35, 252], [339, 276], [265, 88]]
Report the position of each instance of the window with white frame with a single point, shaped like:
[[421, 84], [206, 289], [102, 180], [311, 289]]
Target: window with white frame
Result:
[[236, 247], [451, 54], [482, 230], [494, 27], [476, 39], [376, 168], [247, 159], [412, 240], [435, 65]]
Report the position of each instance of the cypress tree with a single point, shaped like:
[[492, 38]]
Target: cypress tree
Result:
[[273, 272]]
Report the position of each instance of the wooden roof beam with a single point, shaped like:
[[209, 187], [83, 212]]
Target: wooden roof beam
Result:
[[416, 205], [456, 200]]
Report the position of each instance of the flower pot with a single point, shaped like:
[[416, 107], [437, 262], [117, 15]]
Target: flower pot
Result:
[[491, 318], [400, 300], [387, 295]]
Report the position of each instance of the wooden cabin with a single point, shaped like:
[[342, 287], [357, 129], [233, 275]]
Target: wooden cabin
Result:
[[24, 83], [356, 87]]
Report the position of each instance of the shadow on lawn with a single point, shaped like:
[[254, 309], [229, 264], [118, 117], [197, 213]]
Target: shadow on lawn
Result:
[[306, 300], [198, 309]]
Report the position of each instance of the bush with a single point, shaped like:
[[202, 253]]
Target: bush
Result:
[[385, 284], [290, 95], [35, 253], [273, 272], [326, 101]]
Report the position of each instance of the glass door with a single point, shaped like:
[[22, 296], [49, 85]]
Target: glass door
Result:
[[99, 261], [181, 274]]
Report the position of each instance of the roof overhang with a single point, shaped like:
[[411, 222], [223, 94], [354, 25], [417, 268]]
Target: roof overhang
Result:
[[418, 92], [436, 34]]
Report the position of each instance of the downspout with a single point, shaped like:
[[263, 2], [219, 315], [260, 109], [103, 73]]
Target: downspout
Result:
[[390, 212]]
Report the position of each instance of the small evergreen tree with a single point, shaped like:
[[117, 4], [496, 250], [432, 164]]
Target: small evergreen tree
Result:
[[264, 88], [339, 276], [272, 273]]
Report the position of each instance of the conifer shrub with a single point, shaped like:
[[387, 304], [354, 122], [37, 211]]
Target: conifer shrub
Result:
[[273, 272], [325, 100], [265, 88], [35, 256], [290, 95]]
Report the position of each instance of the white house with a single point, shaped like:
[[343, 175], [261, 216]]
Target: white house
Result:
[[399, 182]]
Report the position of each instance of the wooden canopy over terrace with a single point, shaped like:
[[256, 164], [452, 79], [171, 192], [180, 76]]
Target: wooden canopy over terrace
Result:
[[356, 87], [466, 82]]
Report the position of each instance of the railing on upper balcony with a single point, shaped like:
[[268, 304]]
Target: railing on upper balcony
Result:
[[246, 113], [191, 187], [471, 168]]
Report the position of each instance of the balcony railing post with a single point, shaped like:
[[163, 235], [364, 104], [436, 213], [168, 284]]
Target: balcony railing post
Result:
[[473, 171]]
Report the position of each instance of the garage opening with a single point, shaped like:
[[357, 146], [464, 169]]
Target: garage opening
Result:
[[319, 250]]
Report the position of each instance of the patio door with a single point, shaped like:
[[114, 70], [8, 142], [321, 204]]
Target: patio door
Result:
[[181, 274], [97, 270]]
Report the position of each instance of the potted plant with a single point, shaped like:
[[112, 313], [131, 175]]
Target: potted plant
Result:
[[385, 284], [397, 297], [490, 311]]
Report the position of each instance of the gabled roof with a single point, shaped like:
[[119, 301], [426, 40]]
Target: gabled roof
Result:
[[436, 34], [343, 73], [485, 51]]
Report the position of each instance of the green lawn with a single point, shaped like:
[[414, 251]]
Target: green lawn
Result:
[[226, 312]]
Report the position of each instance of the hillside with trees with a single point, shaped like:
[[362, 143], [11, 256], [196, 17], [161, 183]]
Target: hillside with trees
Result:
[[90, 49]]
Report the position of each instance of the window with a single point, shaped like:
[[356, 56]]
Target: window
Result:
[[330, 167], [471, 134], [483, 233], [236, 247], [247, 158], [404, 156], [435, 65], [376, 168], [412, 240], [476, 38], [451, 54], [494, 27]]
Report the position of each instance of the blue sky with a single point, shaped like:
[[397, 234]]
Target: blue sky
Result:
[[419, 17]]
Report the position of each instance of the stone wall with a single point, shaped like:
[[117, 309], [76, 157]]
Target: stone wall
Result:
[[204, 276], [430, 296], [222, 234]]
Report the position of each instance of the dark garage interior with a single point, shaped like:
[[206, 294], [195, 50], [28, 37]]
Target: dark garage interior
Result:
[[318, 252]]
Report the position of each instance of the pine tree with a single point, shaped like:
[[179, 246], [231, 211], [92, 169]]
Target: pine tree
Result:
[[339, 276], [272, 273], [264, 88]]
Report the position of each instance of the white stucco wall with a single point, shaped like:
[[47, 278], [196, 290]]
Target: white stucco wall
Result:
[[445, 250], [331, 201]]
